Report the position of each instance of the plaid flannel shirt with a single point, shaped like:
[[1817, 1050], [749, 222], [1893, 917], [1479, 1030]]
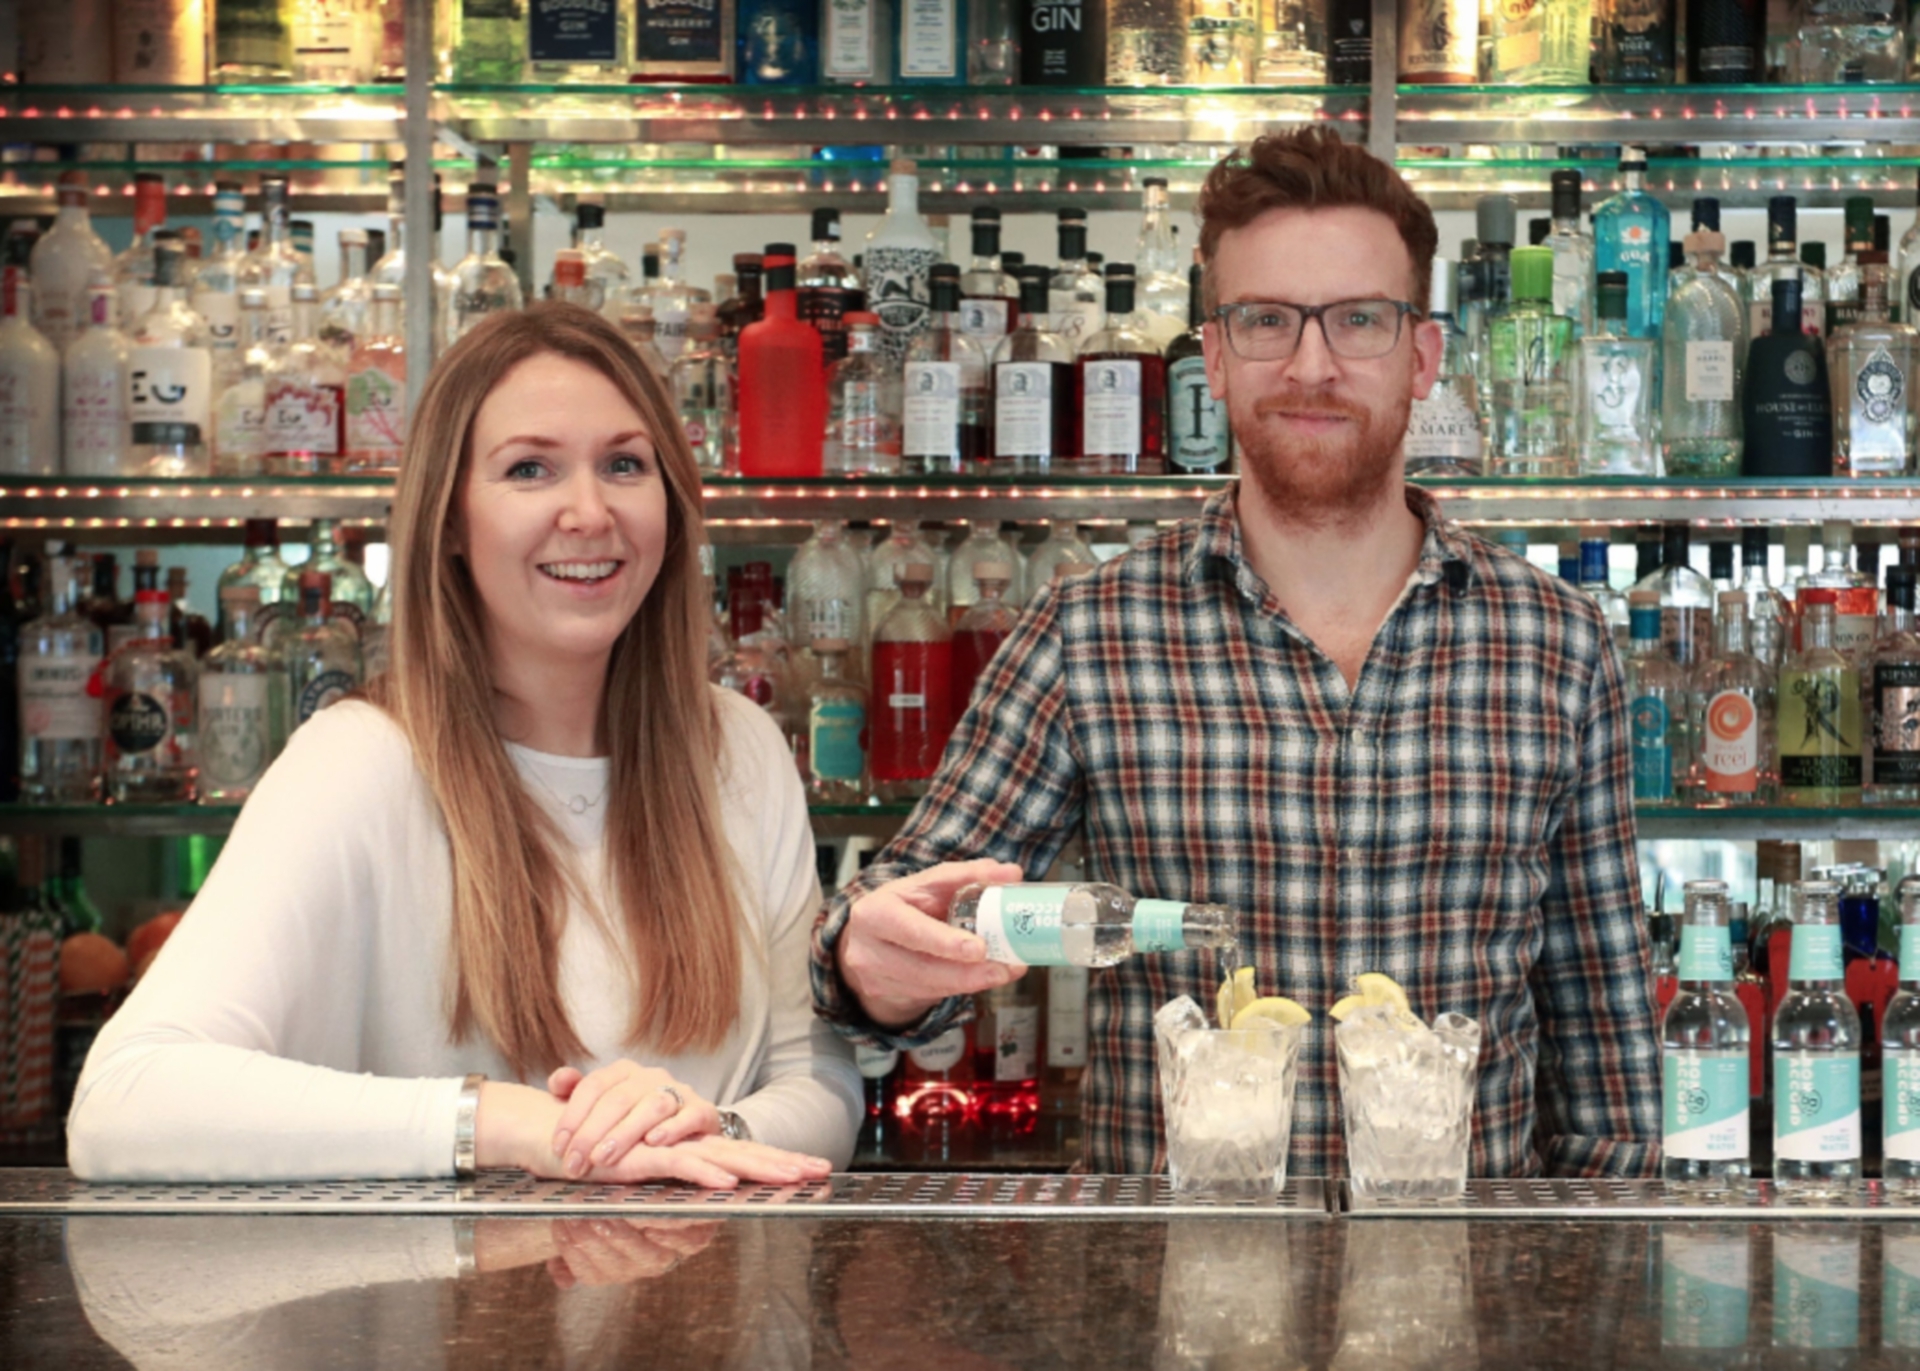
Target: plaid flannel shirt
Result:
[[1462, 820]]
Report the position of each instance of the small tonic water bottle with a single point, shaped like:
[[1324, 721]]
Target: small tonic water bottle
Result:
[[1816, 1057], [1900, 1049], [1703, 1042], [1089, 924]]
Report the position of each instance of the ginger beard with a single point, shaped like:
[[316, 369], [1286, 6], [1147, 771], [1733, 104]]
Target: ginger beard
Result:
[[1330, 479]]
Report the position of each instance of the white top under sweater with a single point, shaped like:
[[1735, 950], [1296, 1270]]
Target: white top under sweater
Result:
[[295, 1025]]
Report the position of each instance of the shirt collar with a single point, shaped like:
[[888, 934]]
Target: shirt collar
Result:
[[1218, 542]]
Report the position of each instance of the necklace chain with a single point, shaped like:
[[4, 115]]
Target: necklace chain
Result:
[[579, 804]]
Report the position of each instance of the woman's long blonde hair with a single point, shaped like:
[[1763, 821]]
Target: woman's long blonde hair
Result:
[[666, 851]]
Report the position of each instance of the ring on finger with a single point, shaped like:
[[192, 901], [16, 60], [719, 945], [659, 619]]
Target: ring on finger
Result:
[[679, 1100]]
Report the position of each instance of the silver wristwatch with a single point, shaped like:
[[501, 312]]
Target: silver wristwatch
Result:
[[735, 1127]]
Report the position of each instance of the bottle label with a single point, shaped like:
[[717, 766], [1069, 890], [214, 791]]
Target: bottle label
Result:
[[931, 409], [376, 412], [875, 1063], [1110, 409], [984, 320], [1197, 434], [1442, 426], [831, 617], [1651, 721], [928, 50], [240, 421], [319, 33], [346, 612], [169, 393], [96, 417], [1159, 926], [847, 51], [572, 31], [1731, 749], [942, 1054], [674, 34], [836, 731], [1816, 1104], [303, 418], [1433, 42], [1706, 954], [1816, 953], [235, 735], [1021, 924], [1703, 1289], [1902, 1102], [221, 310], [1896, 723], [1879, 390], [1067, 1016], [1819, 730], [1856, 619], [1016, 1042], [1074, 319], [1023, 409], [1706, 1105], [897, 292], [54, 704], [137, 724], [320, 692], [1710, 373]]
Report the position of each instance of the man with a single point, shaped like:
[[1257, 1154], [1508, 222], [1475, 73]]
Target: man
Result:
[[1388, 745]]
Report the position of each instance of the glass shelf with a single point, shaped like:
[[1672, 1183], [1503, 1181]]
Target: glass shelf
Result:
[[1778, 823], [1885, 172], [1653, 114], [201, 114]]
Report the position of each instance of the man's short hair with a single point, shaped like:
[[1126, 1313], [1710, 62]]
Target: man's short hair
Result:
[[1312, 168]]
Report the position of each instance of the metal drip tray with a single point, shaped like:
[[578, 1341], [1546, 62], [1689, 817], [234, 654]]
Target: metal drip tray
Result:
[[1541, 1198], [876, 1195]]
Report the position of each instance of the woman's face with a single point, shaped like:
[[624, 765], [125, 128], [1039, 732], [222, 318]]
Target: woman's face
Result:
[[563, 513]]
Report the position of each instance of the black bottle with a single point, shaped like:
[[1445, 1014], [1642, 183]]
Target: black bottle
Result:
[[1198, 439], [1723, 41], [1063, 43], [1636, 43], [1788, 412], [1349, 42]]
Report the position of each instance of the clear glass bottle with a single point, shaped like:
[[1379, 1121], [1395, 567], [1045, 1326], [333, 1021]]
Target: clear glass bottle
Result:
[[133, 269], [912, 711], [1855, 598], [899, 252], [1734, 704], [170, 378], [904, 543], [1090, 924], [1705, 1061], [989, 295], [352, 592], [1222, 39], [67, 259], [60, 736], [1063, 547], [1853, 43], [94, 421], [993, 43], [275, 266], [322, 652], [1120, 378], [1783, 263], [834, 762], [252, 42], [1657, 700], [376, 430], [306, 399], [1146, 42], [1573, 254], [483, 283], [1844, 280], [215, 295], [333, 41], [1900, 1055], [981, 629], [1076, 296], [346, 306], [1617, 382], [1704, 343], [1893, 699], [243, 704], [1816, 1058], [827, 593], [863, 404], [260, 567], [1870, 367], [984, 544], [1543, 44], [1293, 44], [944, 385], [605, 268], [1768, 611], [1820, 741], [29, 384], [486, 42], [1160, 272], [391, 269], [1630, 234], [1532, 400], [825, 266], [1596, 579], [240, 411], [702, 382], [1686, 597], [1033, 411], [151, 688], [672, 298]]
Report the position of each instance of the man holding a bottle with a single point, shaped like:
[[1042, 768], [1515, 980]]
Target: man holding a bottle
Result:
[[1388, 745]]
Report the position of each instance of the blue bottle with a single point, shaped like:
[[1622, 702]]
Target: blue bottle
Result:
[[1630, 233], [779, 42]]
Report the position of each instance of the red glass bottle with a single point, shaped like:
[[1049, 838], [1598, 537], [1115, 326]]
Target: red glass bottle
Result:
[[1121, 386], [783, 390], [910, 712], [981, 630]]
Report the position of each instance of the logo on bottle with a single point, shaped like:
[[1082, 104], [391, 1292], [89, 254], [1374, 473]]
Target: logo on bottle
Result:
[[1732, 744], [322, 691], [137, 723], [1652, 752], [1880, 388], [1896, 723], [1799, 367], [1196, 422]]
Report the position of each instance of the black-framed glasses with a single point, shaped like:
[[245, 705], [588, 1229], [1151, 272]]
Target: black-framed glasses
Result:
[[1269, 330]]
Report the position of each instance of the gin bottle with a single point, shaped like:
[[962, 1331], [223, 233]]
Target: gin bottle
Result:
[[568, 42], [1704, 1052], [605, 267], [59, 717], [252, 42], [1636, 42], [1850, 41], [1146, 42], [856, 42], [68, 258], [1893, 699], [1900, 1054], [1033, 415], [243, 705], [944, 385], [981, 630], [483, 283], [1816, 1057], [240, 411], [779, 43], [276, 266], [306, 399], [133, 269], [1906, 289], [834, 762], [260, 567], [322, 653], [903, 544], [352, 592], [989, 295], [1783, 264], [1617, 383], [1221, 38], [1630, 233], [912, 710], [1786, 411], [702, 383], [29, 384], [1844, 281], [488, 42], [900, 250], [392, 268], [993, 43], [984, 544], [1532, 400], [1160, 274], [346, 307], [93, 419], [151, 687], [1573, 255], [1076, 296], [1121, 381], [170, 378], [215, 296], [1870, 365], [863, 404], [1063, 548], [1596, 580], [1199, 438], [1704, 342], [1657, 704], [376, 431], [827, 593], [672, 298], [1439, 42], [1540, 44], [1089, 924], [1724, 43], [1819, 711], [1768, 612], [1733, 700]]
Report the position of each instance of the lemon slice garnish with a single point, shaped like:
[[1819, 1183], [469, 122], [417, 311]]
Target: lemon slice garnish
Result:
[[1376, 988], [1273, 1009]]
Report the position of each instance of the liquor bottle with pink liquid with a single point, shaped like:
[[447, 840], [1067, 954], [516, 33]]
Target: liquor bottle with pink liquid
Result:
[[377, 388], [981, 630], [911, 706]]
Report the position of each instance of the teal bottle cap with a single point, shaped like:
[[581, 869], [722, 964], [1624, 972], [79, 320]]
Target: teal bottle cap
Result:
[[1532, 273]]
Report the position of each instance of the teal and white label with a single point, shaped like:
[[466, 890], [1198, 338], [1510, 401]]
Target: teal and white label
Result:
[[1816, 1290], [1703, 1290], [1651, 722], [1816, 1105], [1901, 1102], [1706, 1105], [836, 732], [1159, 926], [1910, 949], [1706, 953], [1022, 923], [1900, 1291], [1816, 953]]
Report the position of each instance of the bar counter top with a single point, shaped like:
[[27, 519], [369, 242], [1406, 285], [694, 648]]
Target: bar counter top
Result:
[[795, 1286]]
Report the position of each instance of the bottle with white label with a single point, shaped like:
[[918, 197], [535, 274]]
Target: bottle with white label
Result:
[[1704, 350], [901, 249], [833, 747], [59, 719], [944, 386], [306, 395], [1900, 1054], [240, 410], [863, 404], [1076, 297], [243, 704], [1733, 726], [933, 42], [170, 377], [1891, 676], [29, 384], [1086, 924], [1705, 1066], [322, 652], [989, 295], [275, 266], [1033, 418], [216, 285], [671, 297], [94, 421], [826, 598], [1816, 1057], [152, 689], [1121, 380], [1443, 428], [1199, 439], [69, 257], [856, 42]]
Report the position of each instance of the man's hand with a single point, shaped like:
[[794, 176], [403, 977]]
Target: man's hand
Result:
[[897, 953]]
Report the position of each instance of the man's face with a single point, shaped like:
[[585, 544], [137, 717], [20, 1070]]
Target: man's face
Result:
[[1319, 433]]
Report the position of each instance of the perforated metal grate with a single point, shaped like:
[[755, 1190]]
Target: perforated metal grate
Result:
[[1620, 1199], [869, 1194]]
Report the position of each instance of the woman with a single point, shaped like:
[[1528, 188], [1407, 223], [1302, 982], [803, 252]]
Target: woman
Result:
[[544, 849]]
